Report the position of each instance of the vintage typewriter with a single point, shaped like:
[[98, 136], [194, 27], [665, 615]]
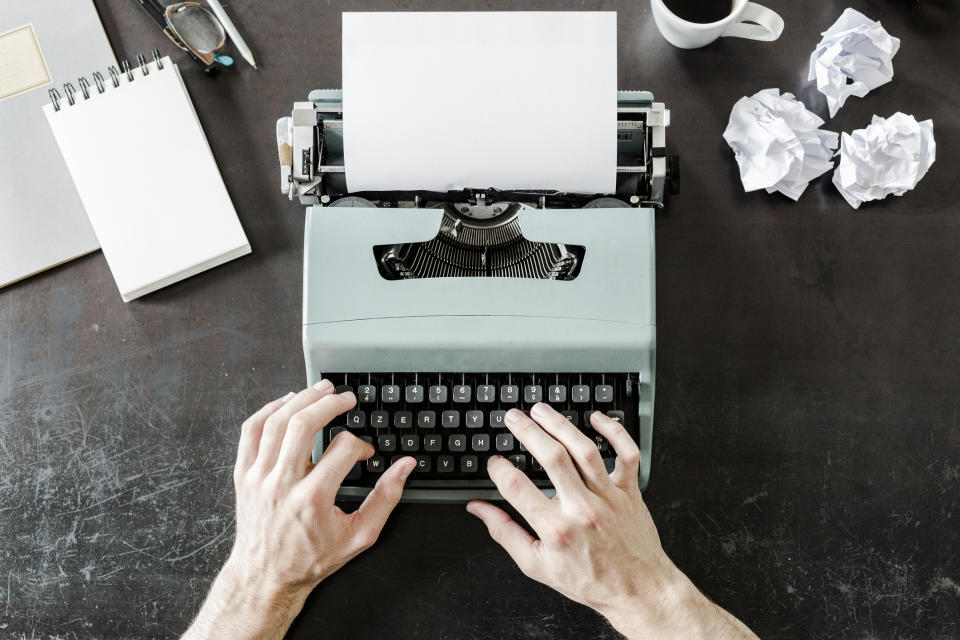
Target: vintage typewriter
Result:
[[443, 310]]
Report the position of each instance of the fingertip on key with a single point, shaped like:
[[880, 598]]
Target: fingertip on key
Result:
[[540, 410], [599, 416], [514, 415], [409, 464]]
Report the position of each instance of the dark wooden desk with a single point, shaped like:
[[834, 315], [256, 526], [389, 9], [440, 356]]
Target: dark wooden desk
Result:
[[807, 449]]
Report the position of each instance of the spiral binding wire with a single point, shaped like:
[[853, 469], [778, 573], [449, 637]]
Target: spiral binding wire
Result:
[[71, 94], [70, 91]]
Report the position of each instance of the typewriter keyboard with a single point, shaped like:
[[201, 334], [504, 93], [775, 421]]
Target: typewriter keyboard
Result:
[[451, 422]]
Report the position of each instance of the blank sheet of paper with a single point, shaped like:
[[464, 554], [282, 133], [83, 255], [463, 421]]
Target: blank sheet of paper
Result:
[[510, 100]]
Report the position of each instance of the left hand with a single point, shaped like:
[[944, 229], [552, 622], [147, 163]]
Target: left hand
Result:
[[290, 534]]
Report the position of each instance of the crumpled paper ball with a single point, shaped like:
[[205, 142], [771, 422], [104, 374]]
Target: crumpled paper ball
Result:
[[889, 157], [778, 143], [854, 57]]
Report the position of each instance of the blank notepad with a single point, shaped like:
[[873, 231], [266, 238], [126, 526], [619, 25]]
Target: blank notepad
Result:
[[148, 179]]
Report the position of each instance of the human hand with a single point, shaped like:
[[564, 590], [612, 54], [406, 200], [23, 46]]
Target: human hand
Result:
[[290, 534], [597, 542]]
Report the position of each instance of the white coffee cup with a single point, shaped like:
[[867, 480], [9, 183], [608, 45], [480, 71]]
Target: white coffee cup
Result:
[[691, 35]]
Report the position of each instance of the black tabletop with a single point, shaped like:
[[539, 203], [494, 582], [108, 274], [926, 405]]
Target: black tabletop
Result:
[[806, 461]]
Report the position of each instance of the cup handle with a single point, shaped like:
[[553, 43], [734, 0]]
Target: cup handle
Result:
[[769, 24]]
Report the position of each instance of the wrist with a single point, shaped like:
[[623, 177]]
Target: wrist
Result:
[[244, 605], [669, 607], [247, 588]]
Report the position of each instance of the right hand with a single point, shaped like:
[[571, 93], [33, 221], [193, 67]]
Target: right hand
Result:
[[597, 542]]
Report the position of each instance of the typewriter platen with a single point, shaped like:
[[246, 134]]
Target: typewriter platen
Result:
[[444, 310]]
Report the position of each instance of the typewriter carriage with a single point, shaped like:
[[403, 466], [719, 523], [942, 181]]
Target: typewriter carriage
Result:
[[479, 234], [644, 171]]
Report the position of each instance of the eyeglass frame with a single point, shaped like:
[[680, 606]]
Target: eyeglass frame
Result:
[[161, 15]]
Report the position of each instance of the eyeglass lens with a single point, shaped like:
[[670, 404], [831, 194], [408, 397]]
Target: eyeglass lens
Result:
[[198, 27]]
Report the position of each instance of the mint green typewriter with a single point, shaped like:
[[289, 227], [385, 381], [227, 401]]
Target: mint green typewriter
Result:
[[442, 310]]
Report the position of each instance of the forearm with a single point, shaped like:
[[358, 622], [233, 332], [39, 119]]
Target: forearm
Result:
[[240, 608], [679, 611]]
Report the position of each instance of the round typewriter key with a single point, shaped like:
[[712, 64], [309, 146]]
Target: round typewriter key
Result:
[[357, 419], [532, 393], [474, 419], [410, 443], [519, 461], [480, 442], [557, 393], [450, 419], [387, 443], [367, 393], [457, 443], [432, 442], [426, 419]]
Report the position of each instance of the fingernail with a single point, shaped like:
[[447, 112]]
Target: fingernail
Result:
[[514, 415], [406, 472], [492, 458], [288, 396], [323, 385], [601, 416], [348, 395], [470, 509], [539, 410]]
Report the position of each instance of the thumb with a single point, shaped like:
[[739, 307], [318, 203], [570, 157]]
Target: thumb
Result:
[[379, 503], [521, 546]]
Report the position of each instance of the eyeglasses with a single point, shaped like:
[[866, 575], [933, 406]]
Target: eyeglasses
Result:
[[192, 28]]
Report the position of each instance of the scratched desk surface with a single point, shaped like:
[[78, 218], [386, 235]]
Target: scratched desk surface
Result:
[[806, 466]]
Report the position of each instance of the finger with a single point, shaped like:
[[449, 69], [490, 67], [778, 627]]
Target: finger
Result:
[[303, 426], [551, 455], [379, 503], [252, 429], [519, 490], [521, 546], [326, 477], [627, 470], [276, 425], [581, 448]]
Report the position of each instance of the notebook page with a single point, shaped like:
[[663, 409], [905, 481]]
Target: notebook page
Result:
[[510, 100], [148, 180], [42, 221]]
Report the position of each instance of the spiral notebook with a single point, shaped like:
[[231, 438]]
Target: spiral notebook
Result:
[[145, 173]]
